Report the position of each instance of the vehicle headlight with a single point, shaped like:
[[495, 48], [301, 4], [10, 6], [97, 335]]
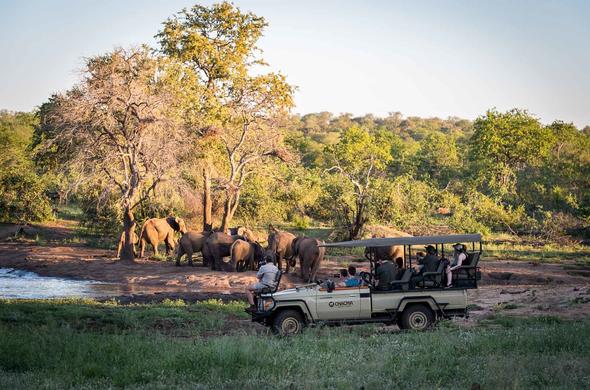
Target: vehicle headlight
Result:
[[266, 304]]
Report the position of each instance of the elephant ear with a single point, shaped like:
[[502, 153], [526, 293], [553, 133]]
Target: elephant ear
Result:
[[172, 221]]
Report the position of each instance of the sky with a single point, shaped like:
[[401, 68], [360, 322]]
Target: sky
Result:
[[421, 58]]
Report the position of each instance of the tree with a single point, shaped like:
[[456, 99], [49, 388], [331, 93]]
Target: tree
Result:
[[217, 46], [503, 145], [118, 129], [438, 158], [357, 158], [22, 191]]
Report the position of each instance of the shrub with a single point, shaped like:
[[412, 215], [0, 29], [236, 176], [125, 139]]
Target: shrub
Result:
[[22, 197]]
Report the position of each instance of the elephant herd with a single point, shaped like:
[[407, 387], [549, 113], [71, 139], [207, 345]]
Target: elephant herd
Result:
[[240, 247]]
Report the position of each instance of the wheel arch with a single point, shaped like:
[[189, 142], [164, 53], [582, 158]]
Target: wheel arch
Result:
[[428, 301], [299, 306]]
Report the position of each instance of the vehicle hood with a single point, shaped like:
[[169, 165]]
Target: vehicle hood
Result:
[[293, 293]]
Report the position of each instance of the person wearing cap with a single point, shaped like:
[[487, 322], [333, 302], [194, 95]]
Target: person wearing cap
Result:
[[430, 261], [459, 256], [267, 273]]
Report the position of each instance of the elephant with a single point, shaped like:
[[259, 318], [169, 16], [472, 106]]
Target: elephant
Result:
[[245, 255], [279, 242], [134, 240], [155, 230], [310, 254], [391, 253], [218, 246], [191, 242]]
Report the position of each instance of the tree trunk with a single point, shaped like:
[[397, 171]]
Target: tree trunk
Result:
[[207, 223], [229, 208], [359, 221], [226, 219], [127, 254]]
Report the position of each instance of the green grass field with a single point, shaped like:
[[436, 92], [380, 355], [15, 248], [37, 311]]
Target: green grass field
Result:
[[85, 344]]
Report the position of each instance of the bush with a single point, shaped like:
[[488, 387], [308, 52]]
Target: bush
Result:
[[22, 197]]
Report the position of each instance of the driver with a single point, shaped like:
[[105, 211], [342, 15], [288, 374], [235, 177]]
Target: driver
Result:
[[385, 273], [267, 273]]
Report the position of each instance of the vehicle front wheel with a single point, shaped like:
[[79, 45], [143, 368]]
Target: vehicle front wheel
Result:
[[417, 317], [288, 323]]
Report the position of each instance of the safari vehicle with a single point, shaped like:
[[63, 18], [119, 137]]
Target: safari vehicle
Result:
[[415, 301]]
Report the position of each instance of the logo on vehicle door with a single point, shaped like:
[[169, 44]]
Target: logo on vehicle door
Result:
[[341, 304]]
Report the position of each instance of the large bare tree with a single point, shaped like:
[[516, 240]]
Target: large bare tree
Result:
[[118, 127]]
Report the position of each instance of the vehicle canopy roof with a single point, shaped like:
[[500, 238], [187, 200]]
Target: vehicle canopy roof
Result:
[[420, 240]]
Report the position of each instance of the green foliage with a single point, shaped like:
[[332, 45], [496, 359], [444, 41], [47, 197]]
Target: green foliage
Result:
[[22, 192], [503, 145]]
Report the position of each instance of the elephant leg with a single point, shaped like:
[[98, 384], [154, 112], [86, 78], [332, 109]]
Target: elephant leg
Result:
[[180, 254], [279, 262], [302, 266], [215, 261], [314, 270], [168, 243], [155, 246], [142, 245], [281, 257], [189, 254]]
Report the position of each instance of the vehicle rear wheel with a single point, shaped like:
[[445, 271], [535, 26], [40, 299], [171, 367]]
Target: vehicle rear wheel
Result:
[[417, 317], [288, 323]]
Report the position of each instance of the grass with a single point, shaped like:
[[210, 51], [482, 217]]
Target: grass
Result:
[[548, 253], [88, 344]]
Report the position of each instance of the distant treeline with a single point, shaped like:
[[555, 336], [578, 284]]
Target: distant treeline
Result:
[[502, 172]]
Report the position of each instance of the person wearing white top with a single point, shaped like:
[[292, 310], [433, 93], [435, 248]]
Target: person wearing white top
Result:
[[459, 256]]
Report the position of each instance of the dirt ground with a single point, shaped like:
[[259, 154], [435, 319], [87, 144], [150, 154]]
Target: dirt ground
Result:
[[507, 287]]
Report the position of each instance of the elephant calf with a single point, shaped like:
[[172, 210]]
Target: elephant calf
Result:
[[190, 243], [218, 246], [245, 255], [155, 230], [310, 255]]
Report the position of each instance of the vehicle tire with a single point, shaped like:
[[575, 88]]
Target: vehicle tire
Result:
[[288, 323], [417, 317]]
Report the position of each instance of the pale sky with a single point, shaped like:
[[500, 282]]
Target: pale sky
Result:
[[425, 58]]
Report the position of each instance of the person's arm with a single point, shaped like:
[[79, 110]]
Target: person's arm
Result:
[[460, 259], [260, 273]]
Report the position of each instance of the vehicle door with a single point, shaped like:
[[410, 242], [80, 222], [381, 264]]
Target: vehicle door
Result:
[[344, 303]]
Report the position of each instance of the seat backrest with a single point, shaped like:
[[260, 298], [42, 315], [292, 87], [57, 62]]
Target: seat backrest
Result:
[[473, 259], [407, 276], [278, 276], [439, 272]]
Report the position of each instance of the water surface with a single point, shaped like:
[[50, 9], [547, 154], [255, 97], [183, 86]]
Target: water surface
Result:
[[15, 283]]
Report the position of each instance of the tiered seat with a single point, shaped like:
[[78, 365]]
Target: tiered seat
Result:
[[431, 279], [404, 282]]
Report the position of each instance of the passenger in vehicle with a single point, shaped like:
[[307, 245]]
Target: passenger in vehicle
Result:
[[459, 256], [430, 261], [353, 280], [343, 274], [267, 274], [385, 273]]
